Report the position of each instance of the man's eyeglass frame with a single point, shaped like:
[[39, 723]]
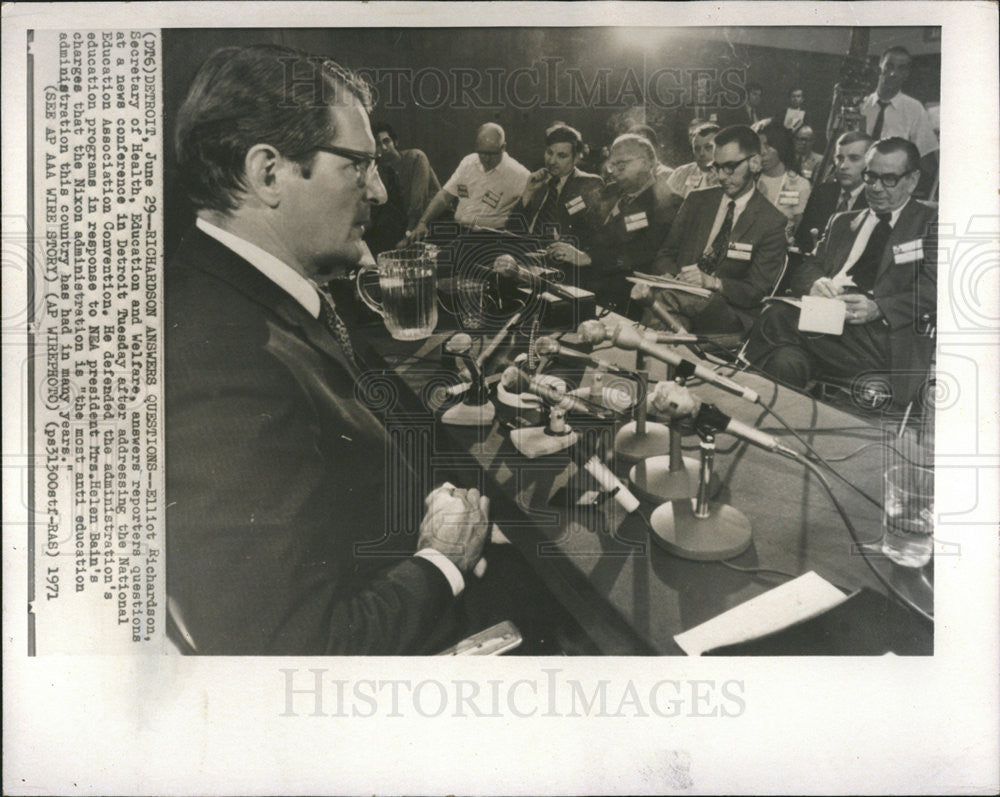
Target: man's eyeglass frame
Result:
[[889, 180], [729, 168], [363, 162]]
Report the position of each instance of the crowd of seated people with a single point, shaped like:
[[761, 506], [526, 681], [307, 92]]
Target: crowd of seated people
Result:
[[750, 216]]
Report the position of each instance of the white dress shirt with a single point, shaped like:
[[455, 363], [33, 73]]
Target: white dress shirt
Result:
[[305, 292], [720, 214], [841, 280], [904, 117]]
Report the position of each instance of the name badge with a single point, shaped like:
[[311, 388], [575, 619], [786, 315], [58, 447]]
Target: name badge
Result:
[[463, 191], [575, 205], [739, 251], [788, 198], [909, 252], [492, 199], [636, 221]]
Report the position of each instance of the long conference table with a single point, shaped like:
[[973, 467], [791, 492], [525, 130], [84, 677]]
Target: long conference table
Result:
[[629, 595]]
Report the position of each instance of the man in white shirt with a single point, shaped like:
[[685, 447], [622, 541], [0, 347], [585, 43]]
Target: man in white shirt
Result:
[[699, 173], [483, 189], [889, 112], [278, 526], [880, 266]]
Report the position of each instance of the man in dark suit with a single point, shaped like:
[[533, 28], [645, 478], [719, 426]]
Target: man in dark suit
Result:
[[630, 226], [728, 240], [882, 264], [275, 470], [845, 192], [559, 200]]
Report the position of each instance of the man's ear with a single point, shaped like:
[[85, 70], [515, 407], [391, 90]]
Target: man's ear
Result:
[[261, 167]]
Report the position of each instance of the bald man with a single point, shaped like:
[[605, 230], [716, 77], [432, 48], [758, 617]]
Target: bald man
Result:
[[484, 188]]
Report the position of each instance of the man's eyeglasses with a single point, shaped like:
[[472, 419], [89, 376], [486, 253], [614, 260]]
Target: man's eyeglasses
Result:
[[618, 165], [889, 180], [730, 167], [363, 162]]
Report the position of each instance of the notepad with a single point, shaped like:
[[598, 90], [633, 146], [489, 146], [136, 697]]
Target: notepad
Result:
[[805, 597], [665, 283], [820, 314]]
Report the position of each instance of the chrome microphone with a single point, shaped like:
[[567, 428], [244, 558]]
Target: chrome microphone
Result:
[[643, 294], [507, 266], [517, 381], [626, 337], [678, 401], [549, 346]]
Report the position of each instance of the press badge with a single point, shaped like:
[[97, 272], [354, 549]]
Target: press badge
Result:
[[575, 205], [788, 198], [463, 191], [909, 252], [738, 251], [636, 221]]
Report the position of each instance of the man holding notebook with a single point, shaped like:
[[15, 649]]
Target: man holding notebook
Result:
[[726, 245], [877, 271]]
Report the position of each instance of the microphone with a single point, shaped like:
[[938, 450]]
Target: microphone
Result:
[[643, 294], [517, 381], [507, 266], [678, 402], [626, 337], [549, 346]]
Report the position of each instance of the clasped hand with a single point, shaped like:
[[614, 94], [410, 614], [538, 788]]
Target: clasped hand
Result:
[[562, 252], [456, 524]]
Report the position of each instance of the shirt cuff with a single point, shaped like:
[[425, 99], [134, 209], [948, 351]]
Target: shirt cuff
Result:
[[447, 567]]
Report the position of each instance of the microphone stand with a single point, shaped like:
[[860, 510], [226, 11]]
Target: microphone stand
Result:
[[700, 528], [641, 438], [671, 476]]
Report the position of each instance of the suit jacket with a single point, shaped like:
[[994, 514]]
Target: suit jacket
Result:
[[275, 473], [744, 282], [822, 202], [576, 209], [904, 292], [627, 238]]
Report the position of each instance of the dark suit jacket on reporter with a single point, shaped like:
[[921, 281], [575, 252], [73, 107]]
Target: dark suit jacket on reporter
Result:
[[821, 205], [904, 291], [627, 239], [576, 209], [274, 472], [745, 282]]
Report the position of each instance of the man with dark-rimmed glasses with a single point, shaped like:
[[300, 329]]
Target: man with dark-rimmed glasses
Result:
[[727, 240], [276, 471], [881, 264]]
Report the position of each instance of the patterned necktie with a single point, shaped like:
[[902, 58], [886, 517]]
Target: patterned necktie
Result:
[[335, 325], [864, 270], [880, 119], [546, 214], [710, 260]]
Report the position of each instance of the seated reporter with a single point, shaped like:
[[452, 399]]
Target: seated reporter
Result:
[[728, 240], [787, 190], [881, 264], [629, 227], [559, 199]]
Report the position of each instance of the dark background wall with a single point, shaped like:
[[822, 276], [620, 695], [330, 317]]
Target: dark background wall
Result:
[[419, 76]]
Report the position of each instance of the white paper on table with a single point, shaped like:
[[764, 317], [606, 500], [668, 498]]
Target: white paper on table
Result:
[[801, 599]]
